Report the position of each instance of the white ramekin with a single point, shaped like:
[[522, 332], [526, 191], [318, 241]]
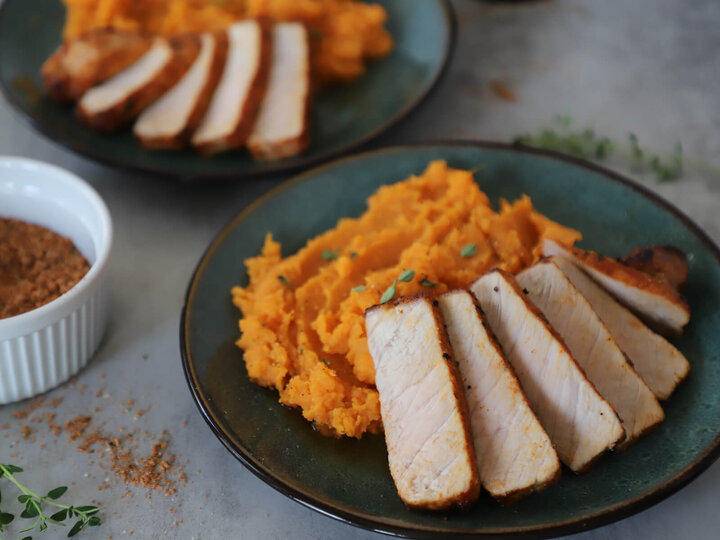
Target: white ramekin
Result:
[[44, 347]]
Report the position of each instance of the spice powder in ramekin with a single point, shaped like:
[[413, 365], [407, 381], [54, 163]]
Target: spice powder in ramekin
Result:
[[37, 265]]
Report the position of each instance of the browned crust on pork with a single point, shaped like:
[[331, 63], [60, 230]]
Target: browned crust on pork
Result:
[[657, 284], [107, 51], [467, 498], [626, 442], [181, 139], [541, 317], [251, 107], [514, 495], [295, 145], [667, 261], [185, 50]]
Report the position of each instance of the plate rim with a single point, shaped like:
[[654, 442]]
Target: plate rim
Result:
[[449, 22], [606, 516]]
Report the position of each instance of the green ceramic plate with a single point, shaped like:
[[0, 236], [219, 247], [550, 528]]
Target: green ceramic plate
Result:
[[345, 116], [349, 479]]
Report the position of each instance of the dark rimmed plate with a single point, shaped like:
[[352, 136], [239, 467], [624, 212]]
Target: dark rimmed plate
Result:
[[345, 116], [349, 479]]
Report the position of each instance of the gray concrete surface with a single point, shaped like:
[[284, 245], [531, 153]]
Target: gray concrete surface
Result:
[[651, 67]]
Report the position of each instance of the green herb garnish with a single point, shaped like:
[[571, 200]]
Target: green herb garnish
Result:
[[427, 283], [586, 144], [359, 288], [34, 507], [468, 250], [389, 293], [352, 255], [406, 276], [285, 281], [326, 362], [330, 254]]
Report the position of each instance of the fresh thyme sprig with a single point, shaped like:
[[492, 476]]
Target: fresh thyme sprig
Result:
[[34, 507], [586, 144]]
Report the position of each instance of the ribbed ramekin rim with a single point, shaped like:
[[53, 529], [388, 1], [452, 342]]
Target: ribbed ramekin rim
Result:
[[23, 323]]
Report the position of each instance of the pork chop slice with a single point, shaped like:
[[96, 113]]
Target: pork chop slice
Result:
[[172, 119], [423, 408], [593, 347], [514, 453], [117, 101], [234, 106], [660, 365], [580, 422], [667, 261], [652, 298], [282, 126], [89, 59]]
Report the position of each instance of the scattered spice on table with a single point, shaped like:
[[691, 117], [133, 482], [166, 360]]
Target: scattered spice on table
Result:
[[502, 91], [134, 457]]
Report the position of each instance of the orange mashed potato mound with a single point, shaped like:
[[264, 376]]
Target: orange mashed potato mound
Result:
[[345, 33], [303, 326]]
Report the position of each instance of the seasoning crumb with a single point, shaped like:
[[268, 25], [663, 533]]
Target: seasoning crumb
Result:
[[502, 91]]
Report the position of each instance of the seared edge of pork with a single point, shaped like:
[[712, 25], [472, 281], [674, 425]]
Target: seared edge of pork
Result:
[[656, 360], [163, 139], [289, 82], [593, 347], [118, 112], [514, 453], [667, 261], [557, 401], [250, 107], [90, 59], [398, 353], [652, 298]]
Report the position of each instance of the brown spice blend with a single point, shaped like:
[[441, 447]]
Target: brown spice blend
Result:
[[36, 266]]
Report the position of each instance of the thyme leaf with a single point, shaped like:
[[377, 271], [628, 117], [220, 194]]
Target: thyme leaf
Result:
[[406, 276], [468, 250], [389, 293], [34, 507], [562, 137]]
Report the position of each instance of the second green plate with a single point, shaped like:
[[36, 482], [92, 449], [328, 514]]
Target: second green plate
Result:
[[345, 116]]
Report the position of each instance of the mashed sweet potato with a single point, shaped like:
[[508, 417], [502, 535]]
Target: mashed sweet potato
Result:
[[345, 32], [302, 324]]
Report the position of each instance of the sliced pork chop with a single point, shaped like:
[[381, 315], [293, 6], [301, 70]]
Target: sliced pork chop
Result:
[[234, 106], [667, 261], [580, 422], [423, 408], [121, 98], [87, 60], [653, 298], [593, 347], [172, 119], [659, 364], [282, 127], [514, 453]]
